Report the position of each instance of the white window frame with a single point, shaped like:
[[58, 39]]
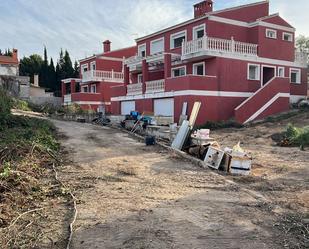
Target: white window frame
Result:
[[176, 68], [83, 89], [177, 35], [95, 89], [290, 36], [258, 74], [194, 67], [83, 66], [156, 40], [278, 72], [91, 66], [140, 48], [198, 28], [298, 78], [140, 78], [271, 30]]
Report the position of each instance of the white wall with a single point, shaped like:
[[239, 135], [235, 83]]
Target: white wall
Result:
[[8, 70]]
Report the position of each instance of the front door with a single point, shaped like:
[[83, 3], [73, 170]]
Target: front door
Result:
[[267, 74]]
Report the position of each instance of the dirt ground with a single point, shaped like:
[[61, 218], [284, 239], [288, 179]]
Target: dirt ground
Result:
[[133, 196]]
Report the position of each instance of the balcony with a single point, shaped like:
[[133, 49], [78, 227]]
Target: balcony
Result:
[[155, 86], [208, 46], [135, 89], [98, 76]]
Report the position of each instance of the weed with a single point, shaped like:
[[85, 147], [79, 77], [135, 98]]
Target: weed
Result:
[[220, 125]]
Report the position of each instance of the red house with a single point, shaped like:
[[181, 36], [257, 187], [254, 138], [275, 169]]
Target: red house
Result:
[[98, 74], [238, 62]]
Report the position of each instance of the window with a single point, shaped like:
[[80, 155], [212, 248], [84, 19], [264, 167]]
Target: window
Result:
[[177, 39], [253, 72], [93, 89], [92, 65], [142, 50], [199, 68], [85, 89], [139, 78], [295, 76], [280, 72], [199, 31], [84, 68], [157, 46], [270, 33], [287, 37], [179, 71]]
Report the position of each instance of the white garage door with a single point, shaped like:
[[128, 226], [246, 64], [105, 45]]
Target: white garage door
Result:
[[164, 107], [127, 107]]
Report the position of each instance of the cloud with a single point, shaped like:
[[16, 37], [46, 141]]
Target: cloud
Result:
[[80, 26]]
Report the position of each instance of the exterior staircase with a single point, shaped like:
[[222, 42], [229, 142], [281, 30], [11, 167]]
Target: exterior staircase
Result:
[[272, 98]]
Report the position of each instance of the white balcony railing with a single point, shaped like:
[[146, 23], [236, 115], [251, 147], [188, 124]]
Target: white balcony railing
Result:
[[155, 86], [219, 45], [96, 75], [67, 99], [135, 89]]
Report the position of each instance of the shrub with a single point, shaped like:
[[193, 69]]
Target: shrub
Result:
[[298, 136], [220, 125], [21, 105], [5, 105]]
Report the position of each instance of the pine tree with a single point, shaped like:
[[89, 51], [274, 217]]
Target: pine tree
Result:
[[67, 65], [76, 70], [44, 74], [52, 75]]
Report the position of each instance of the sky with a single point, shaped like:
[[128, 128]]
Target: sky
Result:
[[80, 26]]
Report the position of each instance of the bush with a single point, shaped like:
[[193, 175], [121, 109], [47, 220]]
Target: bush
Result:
[[5, 105], [298, 136], [220, 125], [21, 105]]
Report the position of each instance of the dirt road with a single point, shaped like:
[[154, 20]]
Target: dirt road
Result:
[[133, 196]]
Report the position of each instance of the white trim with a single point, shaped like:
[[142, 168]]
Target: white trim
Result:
[[258, 73], [198, 28], [110, 58], [175, 68], [250, 25], [156, 40], [139, 49], [289, 34], [82, 67], [272, 31], [198, 64], [138, 78], [298, 79], [269, 103], [267, 17], [248, 99], [177, 35], [278, 70], [65, 81], [91, 66], [262, 73], [95, 87], [83, 87], [185, 93], [101, 56], [91, 103]]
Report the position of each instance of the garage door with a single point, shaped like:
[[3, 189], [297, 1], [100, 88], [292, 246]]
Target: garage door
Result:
[[164, 107], [127, 107]]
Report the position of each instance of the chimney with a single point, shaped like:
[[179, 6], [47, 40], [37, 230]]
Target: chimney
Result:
[[106, 46], [36, 80], [200, 9], [15, 54]]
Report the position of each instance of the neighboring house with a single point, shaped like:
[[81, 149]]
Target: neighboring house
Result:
[[16, 85], [98, 74], [239, 63], [9, 65]]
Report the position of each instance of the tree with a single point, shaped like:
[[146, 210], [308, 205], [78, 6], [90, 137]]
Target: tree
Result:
[[302, 44], [76, 70], [44, 74], [52, 75], [31, 65]]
